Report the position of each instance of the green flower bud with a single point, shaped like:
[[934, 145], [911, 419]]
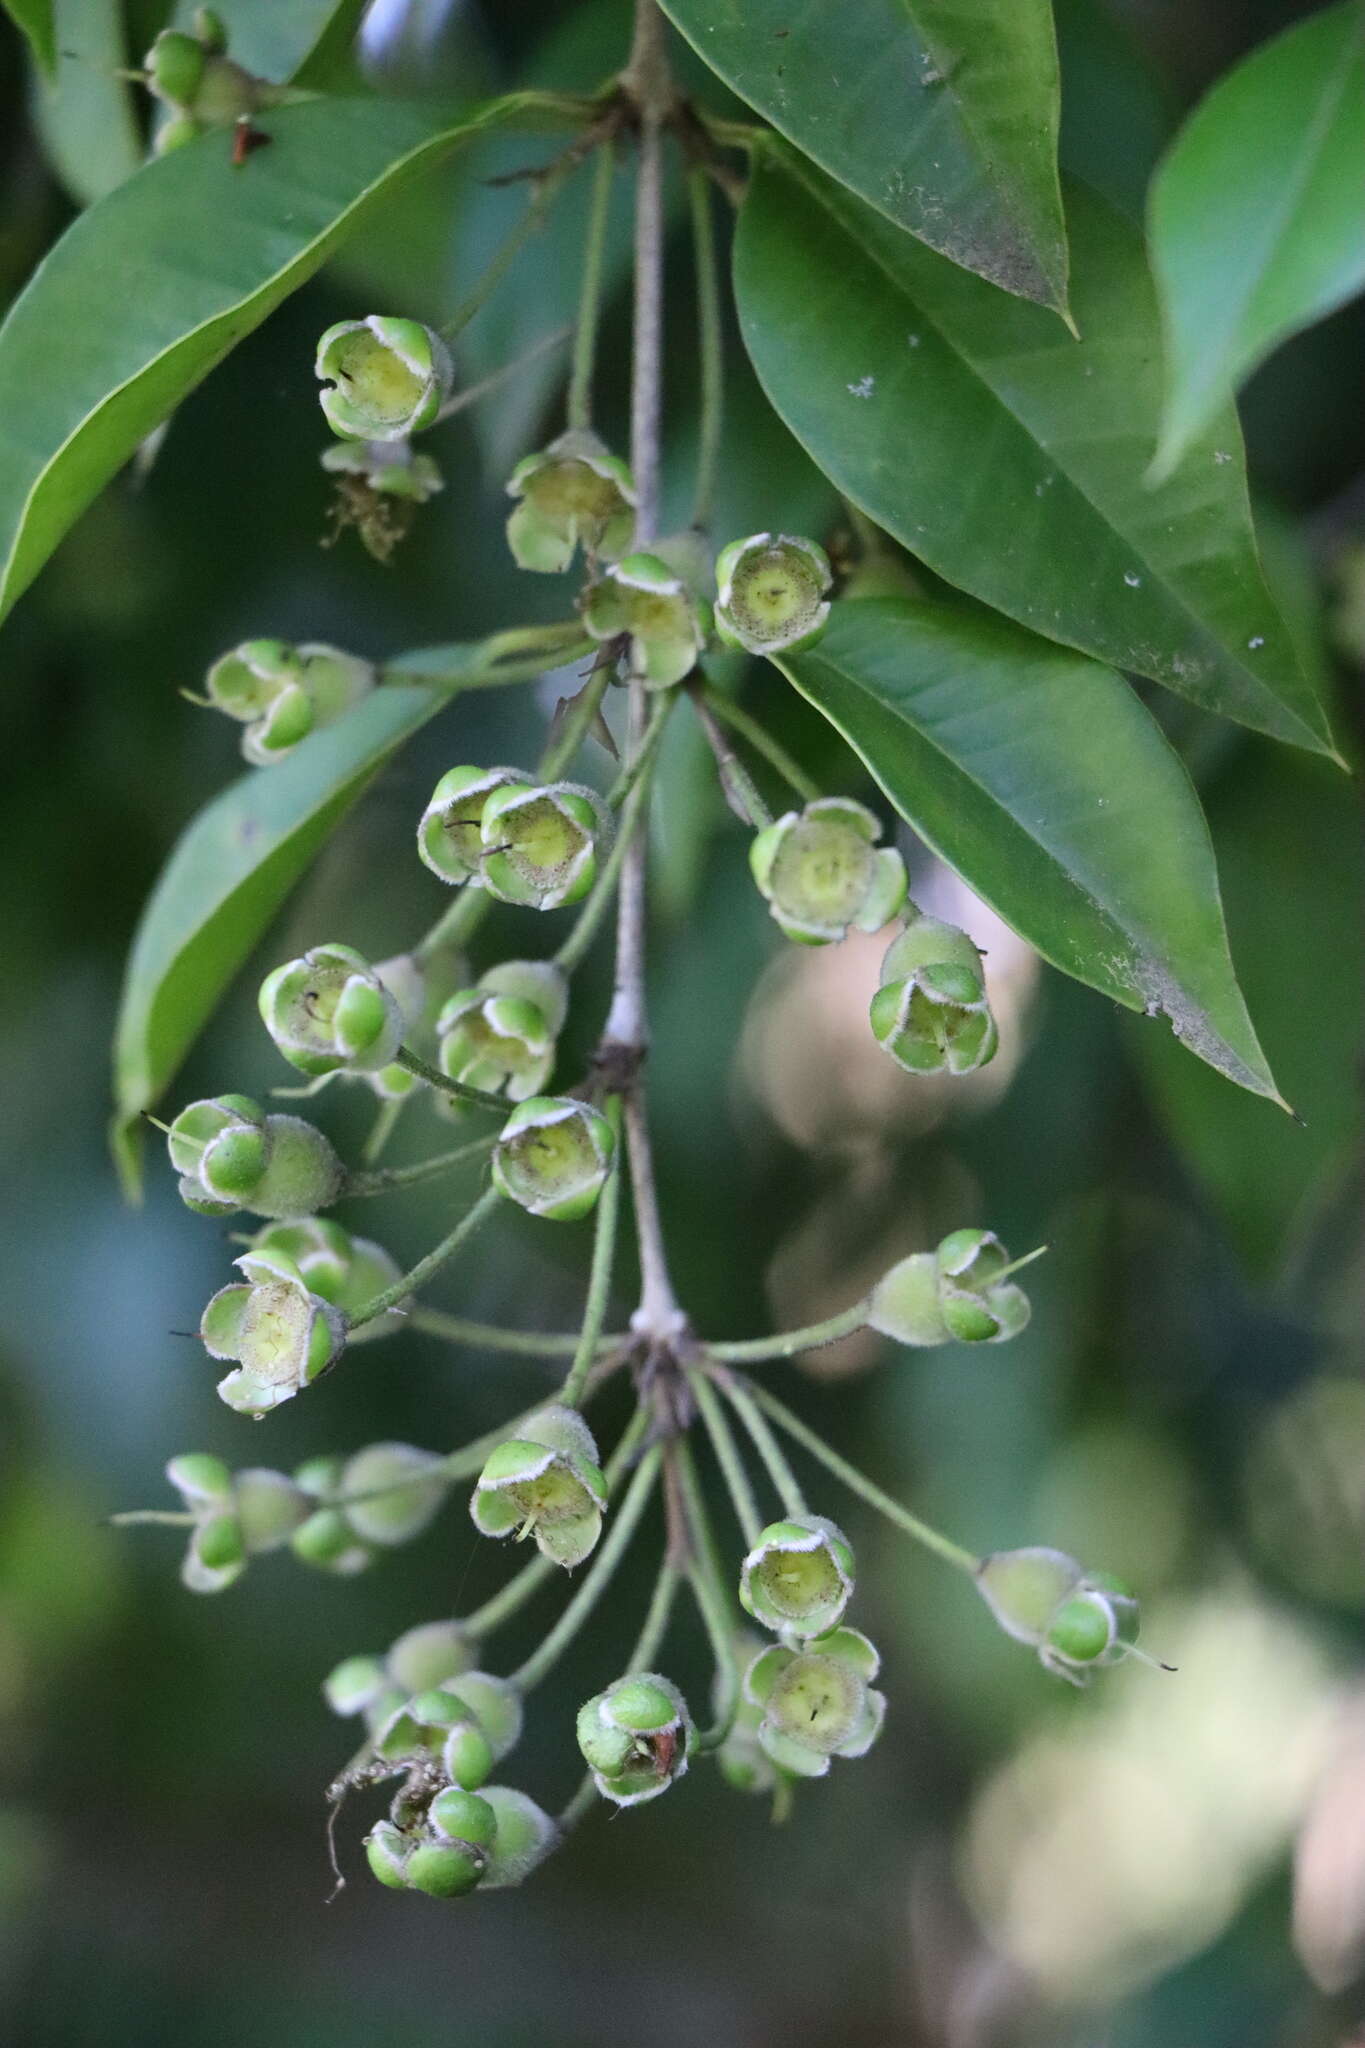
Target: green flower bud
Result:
[[345, 1270], [175, 133], [798, 1577], [635, 1737], [354, 1684], [553, 1157], [386, 1851], [270, 1507], [175, 67], [282, 693], [817, 1702], [1025, 1588], [236, 1517], [390, 1492], [383, 378], [209, 28], [214, 1556], [642, 600], [449, 838], [462, 1816], [501, 1035], [1077, 1621], [191, 75], [771, 593], [470, 1722], [445, 1870], [931, 1010], [428, 1655], [327, 1542], [823, 875], [493, 1704], [952, 1294], [573, 494], [525, 1836], [230, 1155], [545, 1483], [329, 1010], [540, 844], [282, 1336]]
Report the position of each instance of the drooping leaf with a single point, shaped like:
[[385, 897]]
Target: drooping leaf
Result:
[[942, 113], [83, 108], [1008, 456], [1258, 214], [153, 286], [225, 879], [1039, 776], [34, 18], [277, 39]]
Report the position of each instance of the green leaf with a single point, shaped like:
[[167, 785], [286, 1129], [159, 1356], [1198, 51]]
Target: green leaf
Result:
[[34, 17], [277, 38], [84, 110], [225, 879], [1010, 457], [150, 288], [942, 113], [1258, 214], [1040, 777]]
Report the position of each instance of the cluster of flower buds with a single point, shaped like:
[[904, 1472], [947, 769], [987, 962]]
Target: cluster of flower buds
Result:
[[930, 1012], [635, 1737], [230, 1155], [545, 1482], [237, 1516], [492, 1838], [823, 874], [329, 1011], [553, 1156], [1077, 1621], [500, 1035], [381, 1497], [574, 494], [772, 593], [383, 378], [419, 1660], [198, 83], [281, 693], [535, 844], [957, 1294]]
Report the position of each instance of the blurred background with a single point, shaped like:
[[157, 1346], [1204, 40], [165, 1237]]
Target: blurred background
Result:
[[1157, 1863]]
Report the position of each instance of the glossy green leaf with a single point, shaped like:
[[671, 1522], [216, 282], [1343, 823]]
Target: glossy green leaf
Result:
[[1258, 214], [84, 110], [942, 113], [1010, 457], [1040, 777], [153, 286], [225, 879], [277, 39], [34, 17]]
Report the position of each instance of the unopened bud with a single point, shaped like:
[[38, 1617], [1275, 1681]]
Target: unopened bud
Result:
[[383, 378]]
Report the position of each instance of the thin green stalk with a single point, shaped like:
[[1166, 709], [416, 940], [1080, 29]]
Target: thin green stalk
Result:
[[382, 1129], [415, 1064], [640, 761], [456, 926], [765, 1443], [574, 727], [621, 1529], [709, 1590], [741, 791], [165, 1518], [579, 409], [434, 1322], [589, 919], [762, 742], [727, 1457], [599, 1276], [472, 393], [857, 1482], [655, 1625], [548, 186], [557, 651], [434, 1260], [385, 1180], [710, 346], [786, 1344]]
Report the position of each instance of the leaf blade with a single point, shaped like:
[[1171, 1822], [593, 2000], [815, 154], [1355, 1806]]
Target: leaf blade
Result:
[[1257, 214], [34, 19], [942, 114], [1040, 777], [1010, 458]]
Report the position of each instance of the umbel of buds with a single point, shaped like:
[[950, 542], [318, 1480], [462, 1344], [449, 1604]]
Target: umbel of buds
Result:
[[553, 1157], [951, 1295], [383, 1496], [281, 693], [771, 593], [236, 1517], [492, 1839], [202, 86], [539, 842], [798, 1577], [545, 1483], [281, 1335], [817, 1702], [501, 1034], [931, 1011], [383, 378], [330, 1010], [468, 1723], [635, 1737], [231, 1155], [575, 493], [450, 836], [642, 600], [823, 874], [345, 1270], [1076, 1620]]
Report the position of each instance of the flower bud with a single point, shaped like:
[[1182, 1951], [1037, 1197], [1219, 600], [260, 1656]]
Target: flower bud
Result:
[[501, 1035], [383, 378], [463, 1816], [386, 1852], [635, 1737], [270, 1507], [1076, 1620], [950, 1295], [642, 599], [540, 843], [282, 693], [175, 67], [449, 839], [553, 1157], [175, 133], [545, 1483], [345, 1270], [191, 75], [326, 1541], [210, 30], [931, 1010], [389, 1492], [817, 1702], [236, 1518], [573, 494], [798, 1577], [330, 1010], [771, 593], [823, 875], [470, 1721], [354, 1684], [282, 1336], [444, 1869], [428, 1655], [524, 1838], [230, 1155]]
